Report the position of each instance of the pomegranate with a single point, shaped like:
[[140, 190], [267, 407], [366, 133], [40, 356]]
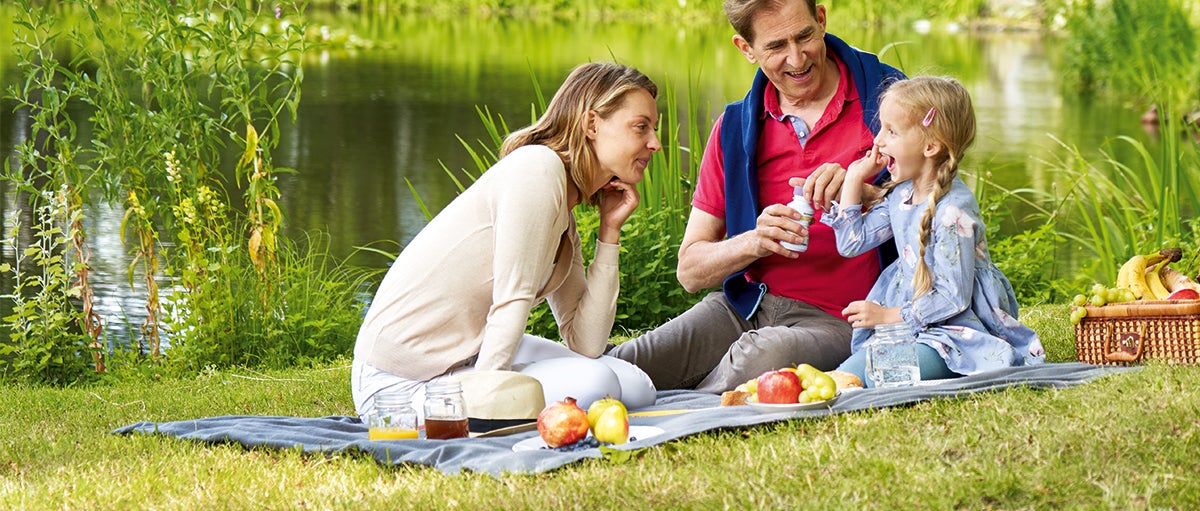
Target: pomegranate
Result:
[[562, 423]]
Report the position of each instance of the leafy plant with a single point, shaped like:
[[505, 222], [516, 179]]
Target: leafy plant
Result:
[[1028, 258], [317, 318], [42, 334], [42, 344]]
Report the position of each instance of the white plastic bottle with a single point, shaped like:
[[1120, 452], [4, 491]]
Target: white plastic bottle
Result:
[[806, 214]]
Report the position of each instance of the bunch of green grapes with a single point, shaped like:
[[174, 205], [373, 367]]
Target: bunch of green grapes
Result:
[[1098, 296]]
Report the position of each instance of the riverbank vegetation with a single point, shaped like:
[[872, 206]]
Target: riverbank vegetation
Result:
[[174, 93]]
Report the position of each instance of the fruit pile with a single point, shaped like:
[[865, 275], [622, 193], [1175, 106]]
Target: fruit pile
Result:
[[1142, 277], [801, 384], [564, 425]]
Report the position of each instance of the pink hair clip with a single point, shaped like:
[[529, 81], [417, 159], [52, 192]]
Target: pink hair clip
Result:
[[929, 117]]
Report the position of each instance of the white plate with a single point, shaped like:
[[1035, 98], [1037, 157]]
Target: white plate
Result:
[[791, 407], [638, 432]]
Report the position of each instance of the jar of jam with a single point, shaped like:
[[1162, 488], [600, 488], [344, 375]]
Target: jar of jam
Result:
[[445, 410]]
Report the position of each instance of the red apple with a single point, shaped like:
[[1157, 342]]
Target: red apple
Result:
[[1184, 294], [779, 387], [562, 423]]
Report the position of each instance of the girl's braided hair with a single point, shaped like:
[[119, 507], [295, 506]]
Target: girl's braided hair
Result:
[[941, 107]]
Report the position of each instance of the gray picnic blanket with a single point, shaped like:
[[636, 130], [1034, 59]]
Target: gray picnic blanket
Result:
[[499, 455]]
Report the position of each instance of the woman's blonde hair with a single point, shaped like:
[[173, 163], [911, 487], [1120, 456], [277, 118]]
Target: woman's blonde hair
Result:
[[599, 87], [941, 107]]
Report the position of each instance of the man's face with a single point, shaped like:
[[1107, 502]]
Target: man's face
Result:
[[789, 46]]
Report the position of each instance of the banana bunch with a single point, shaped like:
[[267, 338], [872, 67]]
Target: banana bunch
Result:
[[1149, 277], [1142, 277]]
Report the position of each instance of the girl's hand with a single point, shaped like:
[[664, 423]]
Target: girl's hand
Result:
[[864, 314], [823, 186], [618, 200], [869, 165]]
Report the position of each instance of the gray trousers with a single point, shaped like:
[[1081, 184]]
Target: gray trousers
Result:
[[713, 349]]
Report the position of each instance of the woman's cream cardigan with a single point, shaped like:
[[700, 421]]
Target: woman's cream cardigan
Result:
[[465, 284]]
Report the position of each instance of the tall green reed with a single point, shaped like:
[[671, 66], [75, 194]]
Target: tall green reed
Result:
[[46, 329], [1141, 50], [1121, 206], [1138, 195]]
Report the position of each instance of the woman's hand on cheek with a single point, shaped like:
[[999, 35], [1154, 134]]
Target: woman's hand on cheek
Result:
[[618, 200]]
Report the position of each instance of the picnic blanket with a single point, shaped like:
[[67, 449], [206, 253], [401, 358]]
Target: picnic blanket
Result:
[[496, 455]]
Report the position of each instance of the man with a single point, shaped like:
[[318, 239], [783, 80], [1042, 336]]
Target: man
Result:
[[810, 112]]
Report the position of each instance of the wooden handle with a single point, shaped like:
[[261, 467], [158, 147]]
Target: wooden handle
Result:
[[1116, 354]]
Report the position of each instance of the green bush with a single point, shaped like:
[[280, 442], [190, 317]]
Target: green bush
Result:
[[317, 317]]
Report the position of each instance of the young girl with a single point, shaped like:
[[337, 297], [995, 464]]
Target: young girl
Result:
[[958, 305]]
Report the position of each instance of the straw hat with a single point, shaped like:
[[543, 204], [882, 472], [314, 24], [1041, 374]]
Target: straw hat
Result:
[[500, 399]]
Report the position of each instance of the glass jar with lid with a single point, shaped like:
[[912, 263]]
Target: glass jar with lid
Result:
[[393, 417], [445, 410], [892, 356]]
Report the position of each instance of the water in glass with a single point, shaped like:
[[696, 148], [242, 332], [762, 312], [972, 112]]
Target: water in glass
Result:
[[892, 357]]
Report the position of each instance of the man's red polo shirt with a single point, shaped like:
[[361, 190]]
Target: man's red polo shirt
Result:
[[820, 276]]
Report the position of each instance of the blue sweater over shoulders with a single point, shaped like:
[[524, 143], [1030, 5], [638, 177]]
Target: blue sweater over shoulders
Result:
[[740, 128]]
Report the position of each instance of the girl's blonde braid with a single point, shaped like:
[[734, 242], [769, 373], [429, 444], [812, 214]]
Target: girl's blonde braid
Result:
[[946, 171]]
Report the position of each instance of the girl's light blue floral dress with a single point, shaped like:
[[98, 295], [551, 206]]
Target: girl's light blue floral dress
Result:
[[970, 314]]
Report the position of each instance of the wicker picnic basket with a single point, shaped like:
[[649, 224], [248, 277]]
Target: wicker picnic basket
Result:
[[1128, 333]]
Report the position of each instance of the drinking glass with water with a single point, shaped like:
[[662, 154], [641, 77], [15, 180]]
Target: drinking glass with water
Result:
[[892, 356]]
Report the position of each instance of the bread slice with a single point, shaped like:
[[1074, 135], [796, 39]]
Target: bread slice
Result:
[[734, 398], [845, 380]]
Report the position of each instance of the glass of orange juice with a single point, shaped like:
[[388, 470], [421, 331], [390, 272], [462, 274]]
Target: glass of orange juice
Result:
[[393, 417]]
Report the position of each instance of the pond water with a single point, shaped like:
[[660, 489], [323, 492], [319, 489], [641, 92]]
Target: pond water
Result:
[[370, 119]]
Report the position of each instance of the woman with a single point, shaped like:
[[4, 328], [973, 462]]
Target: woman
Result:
[[458, 297]]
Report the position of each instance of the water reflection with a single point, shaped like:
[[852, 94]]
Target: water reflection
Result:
[[371, 119]]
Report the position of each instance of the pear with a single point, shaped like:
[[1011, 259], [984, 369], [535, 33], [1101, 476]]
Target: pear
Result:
[[612, 426], [599, 406]]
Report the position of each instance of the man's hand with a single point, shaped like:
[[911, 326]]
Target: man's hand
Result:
[[776, 223], [824, 185]]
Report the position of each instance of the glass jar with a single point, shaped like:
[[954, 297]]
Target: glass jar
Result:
[[892, 356], [393, 417], [445, 410]]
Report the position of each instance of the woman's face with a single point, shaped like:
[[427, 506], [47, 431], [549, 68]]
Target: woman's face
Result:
[[624, 142]]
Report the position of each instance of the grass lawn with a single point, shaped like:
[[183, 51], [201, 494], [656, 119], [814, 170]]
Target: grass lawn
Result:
[[1127, 441]]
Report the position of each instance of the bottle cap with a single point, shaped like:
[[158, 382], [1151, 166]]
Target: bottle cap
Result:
[[798, 191]]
